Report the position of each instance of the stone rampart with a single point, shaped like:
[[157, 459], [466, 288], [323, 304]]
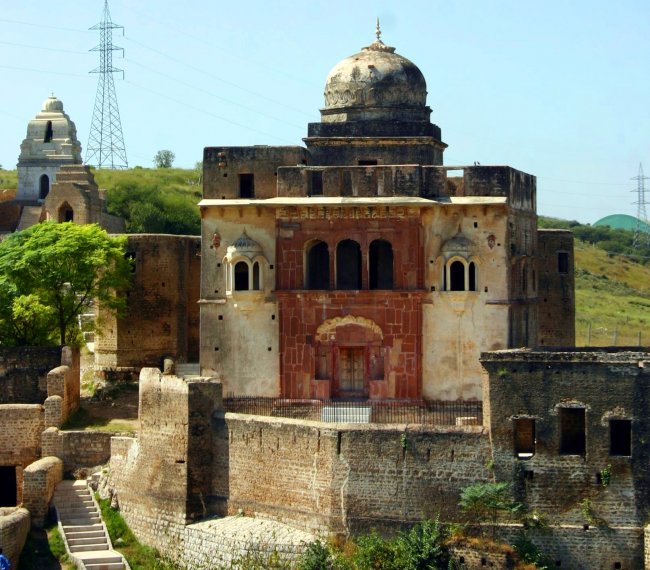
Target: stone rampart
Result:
[[14, 527], [77, 449], [344, 478], [39, 481]]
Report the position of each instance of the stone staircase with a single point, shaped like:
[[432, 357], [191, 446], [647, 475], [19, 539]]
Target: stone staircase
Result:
[[188, 369], [84, 532]]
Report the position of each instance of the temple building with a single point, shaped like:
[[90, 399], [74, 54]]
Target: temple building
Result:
[[360, 266]]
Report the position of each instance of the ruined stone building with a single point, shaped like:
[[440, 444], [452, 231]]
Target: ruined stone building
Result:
[[52, 182], [361, 266]]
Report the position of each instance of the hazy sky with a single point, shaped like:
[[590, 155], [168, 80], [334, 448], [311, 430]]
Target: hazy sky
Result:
[[557, 89]]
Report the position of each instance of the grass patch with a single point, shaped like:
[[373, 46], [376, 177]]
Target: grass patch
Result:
[[83, 420], [140, 557]]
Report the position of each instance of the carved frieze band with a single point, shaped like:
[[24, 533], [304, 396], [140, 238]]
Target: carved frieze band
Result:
[[346, 213]]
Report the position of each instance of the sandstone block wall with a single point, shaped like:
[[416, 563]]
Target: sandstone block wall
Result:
[[40, 480], [21, 426], [77, 449], [23, 373], [163, 478], [14, 527], [571, 546], [341, 479]]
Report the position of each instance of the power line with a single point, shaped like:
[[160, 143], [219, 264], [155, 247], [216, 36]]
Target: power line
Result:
[[105, 141]]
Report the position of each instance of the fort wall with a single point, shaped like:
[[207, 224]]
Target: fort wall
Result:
[[341, 479]]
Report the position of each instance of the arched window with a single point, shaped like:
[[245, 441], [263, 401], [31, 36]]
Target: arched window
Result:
[[48, 132], [317, 272], [380, 265], [472, 276], [348, 265], [241, 276], [66, 214], [457, 276], [44, 184], [256, 276]]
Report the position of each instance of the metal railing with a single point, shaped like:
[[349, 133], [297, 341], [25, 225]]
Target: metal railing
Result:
[[429, 412]]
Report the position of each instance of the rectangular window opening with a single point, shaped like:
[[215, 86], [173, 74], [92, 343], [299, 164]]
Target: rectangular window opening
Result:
[[620, 437], [524, 432], [316, 182], [368, 162], [247, 186], [572, 431], [562, 262]]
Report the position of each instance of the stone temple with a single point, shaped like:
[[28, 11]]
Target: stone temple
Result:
[[360, 265]]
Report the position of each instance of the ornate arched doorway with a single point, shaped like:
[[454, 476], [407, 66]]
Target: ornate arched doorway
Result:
[[349, 353]]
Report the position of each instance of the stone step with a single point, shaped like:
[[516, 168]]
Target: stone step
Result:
[[80, 521], [89, 547], [83, 533], [100, 557], [82, 540], [117, 565]]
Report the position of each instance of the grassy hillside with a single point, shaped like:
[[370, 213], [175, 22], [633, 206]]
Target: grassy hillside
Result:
[[612, 296], [154, 200]]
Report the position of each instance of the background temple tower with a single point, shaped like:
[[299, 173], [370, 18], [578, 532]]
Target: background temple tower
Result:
[[51, 142]]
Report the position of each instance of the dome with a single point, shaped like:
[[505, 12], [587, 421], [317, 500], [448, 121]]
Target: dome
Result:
[[52, 104], [244, 245], [375, 78]]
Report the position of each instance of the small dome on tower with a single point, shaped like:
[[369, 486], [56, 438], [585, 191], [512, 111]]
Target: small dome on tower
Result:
[[381, 82], [52, 104], [244, 245]]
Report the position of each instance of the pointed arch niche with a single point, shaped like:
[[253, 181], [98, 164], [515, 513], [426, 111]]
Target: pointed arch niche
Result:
[[349, 354]]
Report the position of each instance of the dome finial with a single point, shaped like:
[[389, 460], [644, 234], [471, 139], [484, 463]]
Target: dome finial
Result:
[[378, 31]]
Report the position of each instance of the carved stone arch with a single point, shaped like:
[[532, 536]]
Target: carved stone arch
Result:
[[330, 325]]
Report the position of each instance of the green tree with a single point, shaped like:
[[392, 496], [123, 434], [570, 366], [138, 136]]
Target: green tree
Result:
[[484, 502], [164, 159], [49, 272]]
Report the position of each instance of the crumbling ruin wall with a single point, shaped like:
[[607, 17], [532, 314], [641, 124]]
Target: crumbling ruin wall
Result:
[[162, 315], [579, 470], [23, 373], [163, 478]]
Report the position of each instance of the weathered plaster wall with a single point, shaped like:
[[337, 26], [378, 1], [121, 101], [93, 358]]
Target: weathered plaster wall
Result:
[[162, 317], [458, 325], [223, 165], [239, 329], [40, 480], [14, 528]]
